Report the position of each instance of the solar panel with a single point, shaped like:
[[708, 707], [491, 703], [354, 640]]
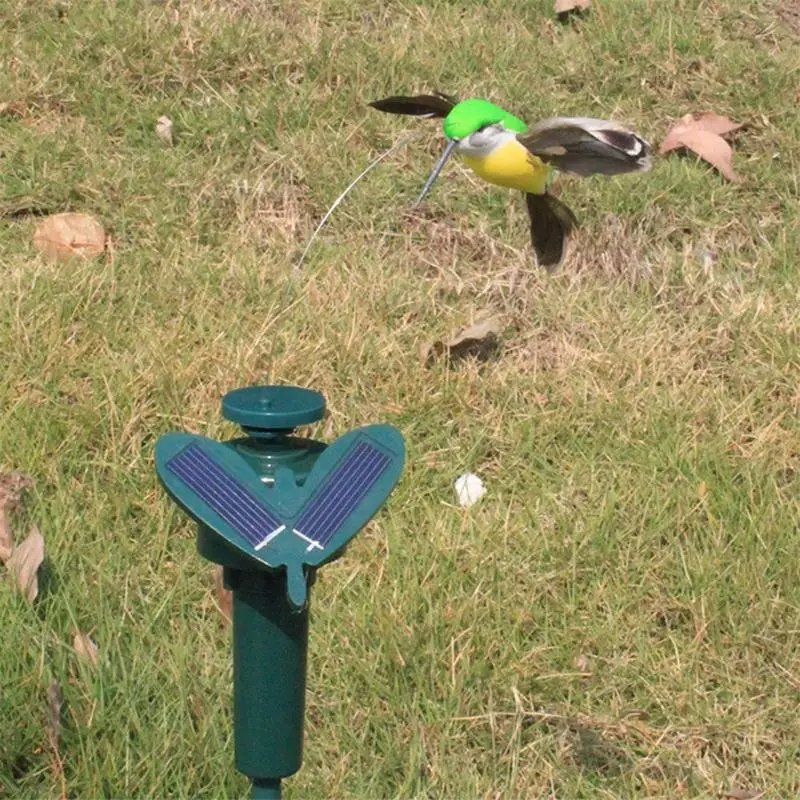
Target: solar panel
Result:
[[285, 525], [340, 493], [226, 496]]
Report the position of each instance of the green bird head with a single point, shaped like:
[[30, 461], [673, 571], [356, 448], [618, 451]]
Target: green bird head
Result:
[[469, 116], [474, 127]]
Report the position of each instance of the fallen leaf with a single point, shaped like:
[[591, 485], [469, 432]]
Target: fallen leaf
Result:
[[702, 134], [12, 484], [224, 596], [789, 13], [164, 129], [478, 340], [53, 727], [713, 149], [64, 236], [583, 664], [85, 647], [469, 489], [25, 562], [707, 121], [24, 206], [566, 7], [702, 490], [54, 700], [742, 794], [6, 535], [11, 109]]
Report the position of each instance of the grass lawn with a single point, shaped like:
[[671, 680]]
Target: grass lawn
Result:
[[619, 616]]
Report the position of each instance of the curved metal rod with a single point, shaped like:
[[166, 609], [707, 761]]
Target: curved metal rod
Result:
[[436, 170], [375, 161]]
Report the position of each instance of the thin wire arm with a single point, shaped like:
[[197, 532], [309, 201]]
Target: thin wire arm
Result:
[[375, 161], [436, 170]]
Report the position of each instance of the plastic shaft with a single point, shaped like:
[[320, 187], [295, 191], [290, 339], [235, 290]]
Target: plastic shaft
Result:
[[270, 645], [266, 789]]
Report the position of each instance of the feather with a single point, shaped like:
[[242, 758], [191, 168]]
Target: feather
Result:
[[587, 146], [423, 105], [551, 223]]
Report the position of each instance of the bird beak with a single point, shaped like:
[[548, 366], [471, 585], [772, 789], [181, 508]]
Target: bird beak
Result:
[[436, 170]]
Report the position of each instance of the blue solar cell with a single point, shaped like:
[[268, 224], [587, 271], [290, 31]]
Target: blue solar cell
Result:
[[340, 493], [225, 495]]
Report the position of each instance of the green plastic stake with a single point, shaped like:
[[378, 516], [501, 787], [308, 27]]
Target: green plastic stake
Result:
[[272, 508]]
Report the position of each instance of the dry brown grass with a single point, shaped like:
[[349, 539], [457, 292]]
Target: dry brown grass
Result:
[[618, 616]]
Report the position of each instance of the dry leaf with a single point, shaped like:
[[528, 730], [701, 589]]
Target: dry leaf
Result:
[[6, 534], [54, 700], [164, 129], [53, 727], [11, 109], [583, 664], [564, 7], [707, 121], [702, 134], [12, 485], [63, 236], [224, 596], [789, 12], [713, 149], [85, 647], [702, 490], [25, 562], [743, 794], [479, 340]]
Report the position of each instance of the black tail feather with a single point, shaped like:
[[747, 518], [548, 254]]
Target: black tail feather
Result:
[[551, 223], [422, 105]]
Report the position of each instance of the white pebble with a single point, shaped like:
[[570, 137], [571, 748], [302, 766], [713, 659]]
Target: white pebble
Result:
[[469, 489]]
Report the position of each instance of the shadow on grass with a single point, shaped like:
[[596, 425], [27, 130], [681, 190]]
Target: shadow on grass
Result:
[[595, 752]]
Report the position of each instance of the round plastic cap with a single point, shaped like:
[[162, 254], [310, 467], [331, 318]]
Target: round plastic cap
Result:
[[276, 408]]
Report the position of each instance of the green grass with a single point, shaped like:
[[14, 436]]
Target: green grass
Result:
[[599, 626]]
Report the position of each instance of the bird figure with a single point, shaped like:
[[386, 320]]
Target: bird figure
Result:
[[501, 149]]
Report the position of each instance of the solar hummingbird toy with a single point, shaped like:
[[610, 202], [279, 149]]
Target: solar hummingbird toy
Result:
[[503, 150], [273, 508]]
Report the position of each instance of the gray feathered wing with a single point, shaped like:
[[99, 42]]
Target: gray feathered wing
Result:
[[582, 146], [586, 146]]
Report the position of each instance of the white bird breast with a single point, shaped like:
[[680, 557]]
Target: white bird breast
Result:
[[485, 141]]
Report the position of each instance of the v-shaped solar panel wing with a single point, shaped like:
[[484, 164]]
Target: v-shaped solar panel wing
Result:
[[285, 524], [348, 484]]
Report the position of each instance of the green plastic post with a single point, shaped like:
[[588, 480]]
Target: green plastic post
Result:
[[272, 508], [270, 638], [266, 789], [270, 646]]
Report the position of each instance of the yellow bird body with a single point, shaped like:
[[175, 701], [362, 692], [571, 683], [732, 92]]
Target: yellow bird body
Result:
[[511, 165]]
